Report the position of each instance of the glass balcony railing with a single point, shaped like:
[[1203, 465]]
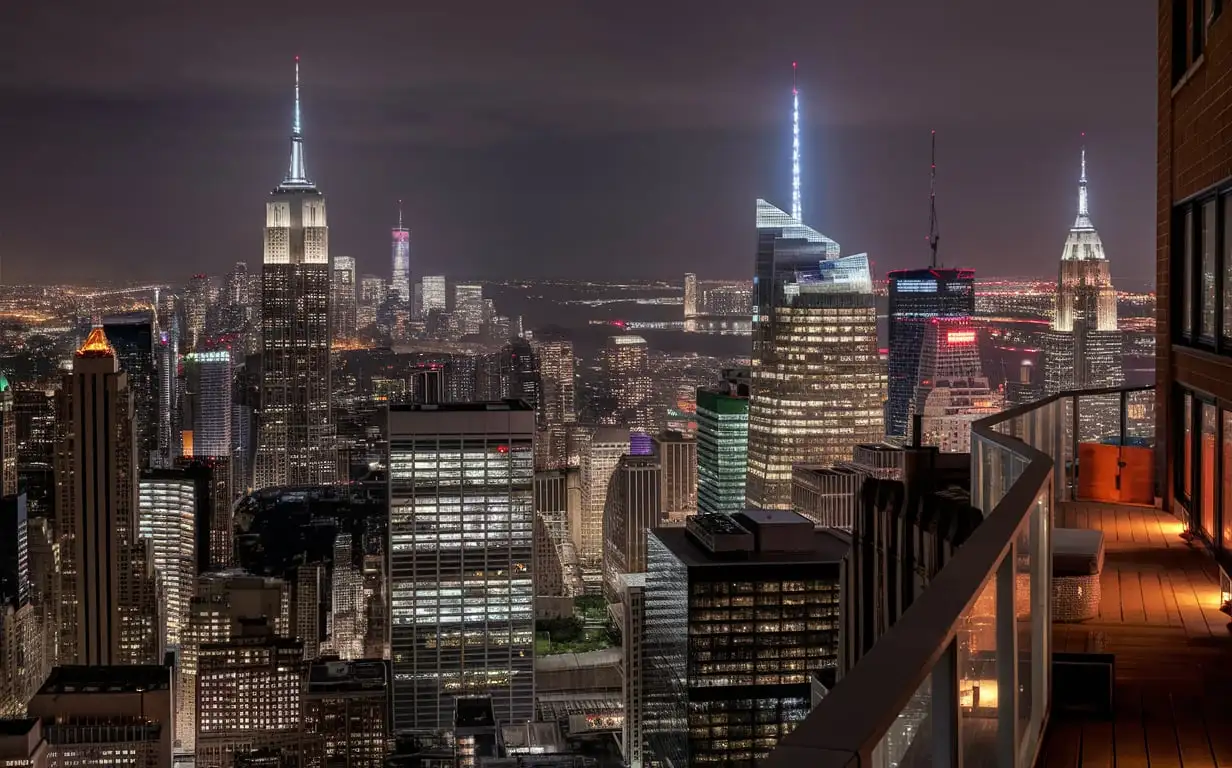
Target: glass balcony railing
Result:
[[965, 670]]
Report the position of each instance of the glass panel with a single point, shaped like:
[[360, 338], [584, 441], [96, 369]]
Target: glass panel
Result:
[[1227, 266], [977, 678], [908, 741], [1225, 515], [1041, 616], [1187, 255], [1187, 461], [1099, 419], [1210, 426], [1207, 328], [1140, 418], [1022, 613]]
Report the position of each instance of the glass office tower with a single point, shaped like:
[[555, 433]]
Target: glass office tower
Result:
[[460, 543], [917, 296], [817, 385]]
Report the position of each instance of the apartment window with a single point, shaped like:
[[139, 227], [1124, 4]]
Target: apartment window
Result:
[[1207, 308], [1226, 475], [1185, 484], [1189, 20], [1207, 470]]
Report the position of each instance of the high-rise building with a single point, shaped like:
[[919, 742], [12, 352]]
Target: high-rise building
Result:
[[557, 373], [677, 454], [519, 374], [236, 299], [132, 337], [461, 561], [249, 694], [468, 307], [599, 462], [167, 519], [196, 307], [208, 379], [434, 294], [690, 298], [817, 382], [108, 600], [722, 447], [348, 625], [296, 442], [8, 438], [106, 716], [372, 293], [952, 390], [633, 506], [626, 367], [168, 396], [346, 709], [917, 297], [400, 277], [1083, 348], [221, 601], [1193, 373], [721, 688], [344, 305]]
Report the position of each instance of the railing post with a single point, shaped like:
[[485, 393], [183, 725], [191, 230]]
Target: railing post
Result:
[[947, 710], [1007, 658]]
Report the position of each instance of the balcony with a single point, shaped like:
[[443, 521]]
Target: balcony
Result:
[[927, 691]]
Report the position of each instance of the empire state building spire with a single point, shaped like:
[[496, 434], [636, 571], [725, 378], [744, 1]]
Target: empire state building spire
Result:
[[1083, 220], [297, 176]]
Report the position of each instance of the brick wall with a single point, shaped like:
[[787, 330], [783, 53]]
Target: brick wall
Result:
[[1195, 154]]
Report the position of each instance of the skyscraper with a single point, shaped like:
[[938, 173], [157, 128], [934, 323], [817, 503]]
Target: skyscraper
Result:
[[556, 376], [817, 387], [344, 307], [461, 545], [626, 366], [690, 301], [196, 306], [8, 438], [952, 390], [400, 278], [917, 297], [468, 307], [296, 441], [434, 295], [599, 462], [132, 337], [208, 376], [107, 592], [167, 519], [677, 454], [722, 448], [1083, 348], [634, 505]]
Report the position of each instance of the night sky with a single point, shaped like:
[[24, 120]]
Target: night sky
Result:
[[139, 139]]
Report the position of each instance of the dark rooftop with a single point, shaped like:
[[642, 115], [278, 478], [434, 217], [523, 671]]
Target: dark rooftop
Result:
[[17, 726], [495, 405], [117, 679], [335, 676], [826, 547]]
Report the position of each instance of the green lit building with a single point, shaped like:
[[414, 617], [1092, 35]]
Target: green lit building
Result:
[[722, 446]]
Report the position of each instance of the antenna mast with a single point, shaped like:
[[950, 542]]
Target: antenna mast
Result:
[[934, 235], [797, 209]]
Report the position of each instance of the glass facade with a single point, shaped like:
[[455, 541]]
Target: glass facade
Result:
[[722, 451], [917, 296], [462, 604], [166, 517], [817, 385], [738, 680]]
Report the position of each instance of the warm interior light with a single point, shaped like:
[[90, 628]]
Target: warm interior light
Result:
[[960, 337]]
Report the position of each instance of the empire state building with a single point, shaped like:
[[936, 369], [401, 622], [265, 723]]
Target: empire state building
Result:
[[296, 444], [1083, 348]]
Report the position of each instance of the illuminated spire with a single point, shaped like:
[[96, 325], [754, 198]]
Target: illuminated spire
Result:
[[96, 345], [934, 230], [297, 176], [797, 209], [1083, 221], [399, 214]]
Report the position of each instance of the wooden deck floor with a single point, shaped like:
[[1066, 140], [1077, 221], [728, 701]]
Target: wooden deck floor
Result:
[[1159, 615]]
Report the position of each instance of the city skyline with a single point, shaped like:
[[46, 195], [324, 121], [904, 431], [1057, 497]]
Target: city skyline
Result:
[[662, 155]]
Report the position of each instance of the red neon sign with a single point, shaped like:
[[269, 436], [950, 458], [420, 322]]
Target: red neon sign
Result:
[[960, 337]]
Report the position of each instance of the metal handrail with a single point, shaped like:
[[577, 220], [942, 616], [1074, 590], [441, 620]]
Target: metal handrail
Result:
[[848, 724]]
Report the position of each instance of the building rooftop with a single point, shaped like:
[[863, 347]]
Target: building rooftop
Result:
[[824, 547], [494, 405], [96, 345], [347, 676], [133, 678]]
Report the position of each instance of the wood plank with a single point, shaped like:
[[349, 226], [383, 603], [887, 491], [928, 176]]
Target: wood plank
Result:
[[1097, 749], [1110, 595], [1215, 715], [1191, 736], [1153, 598], [1131, 598], [1162, 747], [1129, 737]]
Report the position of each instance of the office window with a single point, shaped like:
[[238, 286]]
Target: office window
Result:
[[1207, 309], [1210, 434]]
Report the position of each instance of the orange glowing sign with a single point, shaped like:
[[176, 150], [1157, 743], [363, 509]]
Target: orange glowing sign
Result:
[[960, 337]]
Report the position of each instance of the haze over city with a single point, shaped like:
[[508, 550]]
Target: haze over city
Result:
[[565, 142]]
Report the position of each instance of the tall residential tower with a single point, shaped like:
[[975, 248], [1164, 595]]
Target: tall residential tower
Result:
[[400, 277], [296, 443]]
